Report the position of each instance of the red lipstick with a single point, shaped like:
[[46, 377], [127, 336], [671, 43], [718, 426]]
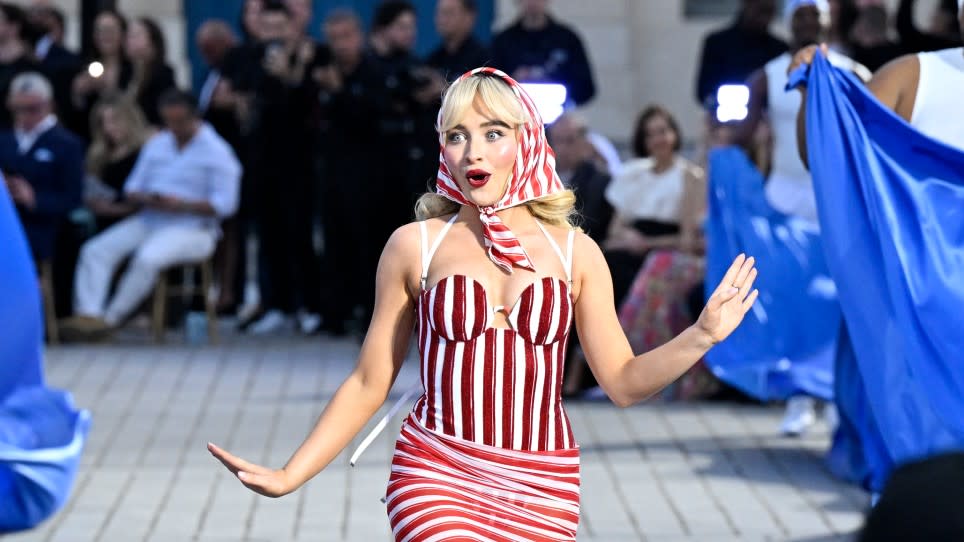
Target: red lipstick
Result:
[[477, 177]]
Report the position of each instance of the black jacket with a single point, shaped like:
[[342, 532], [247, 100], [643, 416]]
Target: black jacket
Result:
[[731, 55], [470, 55], [556, 49], [54, 167]]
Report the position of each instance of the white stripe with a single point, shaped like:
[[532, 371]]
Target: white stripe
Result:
[[499, 384], [424, 331], [565, 421], [433, 293], [538, 298], [456, 390], [449, 303], [557, 302], [439, 367], [553, 400], [470, 302], [518, 393], [537, 413], [479, 391]]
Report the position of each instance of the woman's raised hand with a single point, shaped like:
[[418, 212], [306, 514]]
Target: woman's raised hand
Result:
[[805, 56], [731, 300], [267, 482]]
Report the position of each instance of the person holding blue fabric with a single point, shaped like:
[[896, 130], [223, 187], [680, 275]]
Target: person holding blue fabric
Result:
[[789, 188], [923, 89], [890, 170]]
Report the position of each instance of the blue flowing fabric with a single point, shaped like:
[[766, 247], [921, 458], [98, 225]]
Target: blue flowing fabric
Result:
[[891, 205], [786, 344], [41, 433]]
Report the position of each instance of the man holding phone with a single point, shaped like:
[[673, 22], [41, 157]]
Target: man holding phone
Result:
[[186, 180]]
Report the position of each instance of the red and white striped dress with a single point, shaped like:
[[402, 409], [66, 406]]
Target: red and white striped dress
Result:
[[487, 452]]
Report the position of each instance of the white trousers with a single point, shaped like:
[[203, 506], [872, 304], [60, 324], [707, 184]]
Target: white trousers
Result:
[[151, 247]]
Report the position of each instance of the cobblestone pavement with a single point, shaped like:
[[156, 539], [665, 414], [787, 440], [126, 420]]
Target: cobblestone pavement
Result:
[[654, 472]]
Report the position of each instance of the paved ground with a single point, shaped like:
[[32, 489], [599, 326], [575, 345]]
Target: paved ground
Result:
[[705, 472]]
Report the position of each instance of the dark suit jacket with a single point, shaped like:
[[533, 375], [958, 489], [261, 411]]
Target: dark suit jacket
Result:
[[590, 184], [54, 166], [61, 66]]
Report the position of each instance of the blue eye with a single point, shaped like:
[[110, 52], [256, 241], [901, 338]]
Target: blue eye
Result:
[[455, 137], [492, 135]]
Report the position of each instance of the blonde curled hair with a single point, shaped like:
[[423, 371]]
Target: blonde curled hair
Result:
[[557, 209]]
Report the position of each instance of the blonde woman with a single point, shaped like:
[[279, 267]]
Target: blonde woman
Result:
[[493, 274], [118, 131]]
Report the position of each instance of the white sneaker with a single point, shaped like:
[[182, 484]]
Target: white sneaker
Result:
[[271, 322], [800, 415], [831, 417], [308, 322]]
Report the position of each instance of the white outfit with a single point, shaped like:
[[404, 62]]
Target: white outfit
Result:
[[939, 90], [789, 188], [205, 169], [638, 193]]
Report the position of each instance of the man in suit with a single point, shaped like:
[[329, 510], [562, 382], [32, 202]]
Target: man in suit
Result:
[[569, 137], [57, 62], [42, 163]]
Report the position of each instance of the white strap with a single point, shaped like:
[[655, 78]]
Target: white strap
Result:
[[427, 257], [572, 237], [566, 261], [382, 423]]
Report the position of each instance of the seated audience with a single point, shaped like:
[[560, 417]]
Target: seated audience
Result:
[[185, 181], [647, 196], [580, 171], [42, 163]]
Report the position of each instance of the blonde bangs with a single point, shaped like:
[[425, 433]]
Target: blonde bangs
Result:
[[496, 96]]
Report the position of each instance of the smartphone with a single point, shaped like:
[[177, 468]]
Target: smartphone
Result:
[[273, 48]]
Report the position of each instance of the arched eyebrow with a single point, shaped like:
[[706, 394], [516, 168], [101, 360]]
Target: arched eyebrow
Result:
[[487, 124]]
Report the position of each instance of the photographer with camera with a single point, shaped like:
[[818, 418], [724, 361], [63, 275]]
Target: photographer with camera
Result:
[[351, 99], [283, 131], [414, 94]]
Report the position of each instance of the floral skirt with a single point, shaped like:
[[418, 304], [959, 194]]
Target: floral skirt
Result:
[[655, 310]]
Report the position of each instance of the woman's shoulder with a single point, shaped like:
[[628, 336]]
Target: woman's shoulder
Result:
[[691, 169], [587, 255], [636, 166], [408, 237]]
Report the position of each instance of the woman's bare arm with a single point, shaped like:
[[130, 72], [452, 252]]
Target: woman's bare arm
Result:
[[625, 377], [365, 389]]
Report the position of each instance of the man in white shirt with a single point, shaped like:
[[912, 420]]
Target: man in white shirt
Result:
[[186, 180]]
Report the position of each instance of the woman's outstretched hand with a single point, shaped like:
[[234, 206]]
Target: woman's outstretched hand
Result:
[[731, 300], [268, 482]]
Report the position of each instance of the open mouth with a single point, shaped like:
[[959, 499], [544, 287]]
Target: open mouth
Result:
[[477, 177]]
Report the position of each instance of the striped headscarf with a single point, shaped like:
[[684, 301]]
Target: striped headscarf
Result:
[[533, 176]]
